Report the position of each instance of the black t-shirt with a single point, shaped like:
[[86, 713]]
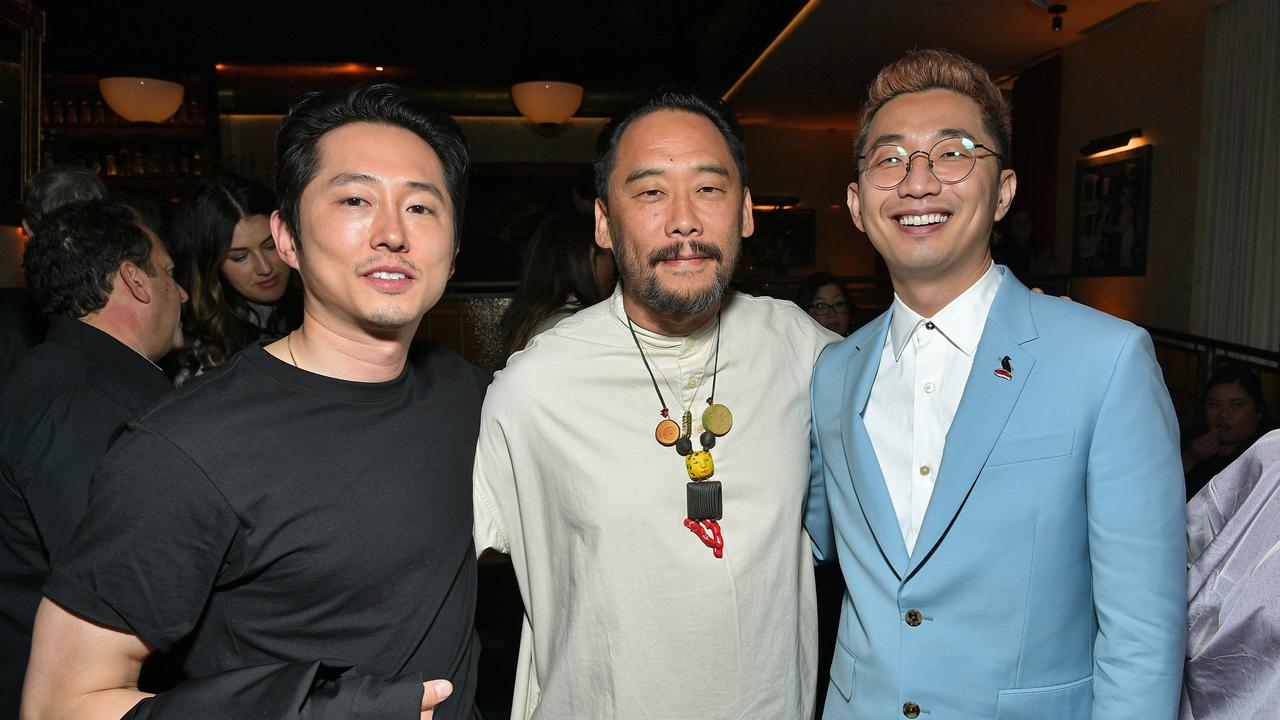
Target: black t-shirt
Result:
[[67, 400], [265, 514]]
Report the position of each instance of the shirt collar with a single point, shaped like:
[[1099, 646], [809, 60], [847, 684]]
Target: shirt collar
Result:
[[961, 321]]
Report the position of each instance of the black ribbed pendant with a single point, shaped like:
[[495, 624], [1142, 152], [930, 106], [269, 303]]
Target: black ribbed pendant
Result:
[[704, 500]]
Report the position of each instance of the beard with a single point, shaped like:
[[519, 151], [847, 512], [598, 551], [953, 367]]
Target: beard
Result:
[[641, 276]]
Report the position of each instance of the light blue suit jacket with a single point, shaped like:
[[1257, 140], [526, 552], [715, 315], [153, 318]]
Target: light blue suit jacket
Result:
[[1049, 575]]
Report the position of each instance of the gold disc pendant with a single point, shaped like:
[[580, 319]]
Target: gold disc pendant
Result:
[[667, 432], [717, 419]]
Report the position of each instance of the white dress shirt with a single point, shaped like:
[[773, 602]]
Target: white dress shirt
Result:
[[923, 370]]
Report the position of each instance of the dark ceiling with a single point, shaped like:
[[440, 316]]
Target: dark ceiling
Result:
[[465, 53]]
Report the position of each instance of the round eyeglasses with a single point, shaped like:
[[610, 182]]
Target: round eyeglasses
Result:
[[950, 160]]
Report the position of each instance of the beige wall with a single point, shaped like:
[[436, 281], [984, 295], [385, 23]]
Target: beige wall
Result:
[[815, 166], [1144, 71]]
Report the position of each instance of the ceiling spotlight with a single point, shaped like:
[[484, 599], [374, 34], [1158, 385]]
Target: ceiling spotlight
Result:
[[1056, 11]]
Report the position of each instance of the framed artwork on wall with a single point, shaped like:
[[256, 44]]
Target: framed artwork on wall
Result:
[[1112, 214]]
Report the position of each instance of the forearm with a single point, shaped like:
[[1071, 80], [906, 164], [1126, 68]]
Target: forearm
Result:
[[79, 670], [56, 704]]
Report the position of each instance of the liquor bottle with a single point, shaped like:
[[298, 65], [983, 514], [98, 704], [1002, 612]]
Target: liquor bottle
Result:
[[99, 113], [86, 111], [56, 116]]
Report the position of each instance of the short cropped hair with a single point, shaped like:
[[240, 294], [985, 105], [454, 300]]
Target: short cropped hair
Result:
[[668, 97], [923, 70], [56, 186], [71, 262], [314, 114]]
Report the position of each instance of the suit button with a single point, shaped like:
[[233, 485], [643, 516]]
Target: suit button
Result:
[[910, 709], [914, 617]]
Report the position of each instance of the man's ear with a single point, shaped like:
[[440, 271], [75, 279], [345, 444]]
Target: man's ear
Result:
[[134, 278], [748, 218], [286, 247], [1005, 191], [854, 201], [603, 238]]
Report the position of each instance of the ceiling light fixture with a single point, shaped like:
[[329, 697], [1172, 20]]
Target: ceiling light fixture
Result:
[[1056, 11], [141, 99], [1110, 142], [547, 103]]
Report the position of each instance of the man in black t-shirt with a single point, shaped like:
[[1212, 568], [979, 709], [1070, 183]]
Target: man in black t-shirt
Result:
[[298, 519], [107, 283]]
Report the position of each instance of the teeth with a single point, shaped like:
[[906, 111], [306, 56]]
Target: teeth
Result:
[[930, 219], [387, 275]]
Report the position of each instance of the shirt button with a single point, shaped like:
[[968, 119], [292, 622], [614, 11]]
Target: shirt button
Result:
[[924, 470], [693, 383], [914, 618], [929, 326], [910, 709], [928, 387]]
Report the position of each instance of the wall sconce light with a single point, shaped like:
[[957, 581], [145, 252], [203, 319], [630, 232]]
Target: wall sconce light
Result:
[[1110, 142], [138, 99], [547, 103]]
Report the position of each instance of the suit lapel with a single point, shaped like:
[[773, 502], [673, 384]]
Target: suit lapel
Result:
[[983, 412], [868, 480]]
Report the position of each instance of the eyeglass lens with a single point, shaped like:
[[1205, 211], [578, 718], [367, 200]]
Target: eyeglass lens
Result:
[[951, 160]]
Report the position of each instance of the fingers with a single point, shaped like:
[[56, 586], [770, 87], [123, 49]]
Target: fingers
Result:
[[435, 692]]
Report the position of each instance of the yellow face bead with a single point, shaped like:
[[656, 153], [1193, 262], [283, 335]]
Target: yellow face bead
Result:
[[699, 465]]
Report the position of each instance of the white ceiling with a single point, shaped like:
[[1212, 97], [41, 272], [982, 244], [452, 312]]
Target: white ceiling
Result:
[[817, 75]]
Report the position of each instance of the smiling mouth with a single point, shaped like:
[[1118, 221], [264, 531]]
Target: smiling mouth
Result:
[[923, 220], [382, 275]]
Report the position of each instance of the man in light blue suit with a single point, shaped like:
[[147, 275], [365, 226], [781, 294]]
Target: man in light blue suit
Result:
[[997, 470]]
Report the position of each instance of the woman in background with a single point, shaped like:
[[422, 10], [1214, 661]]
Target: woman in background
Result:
[[240, 289], [1233, 412], [565, 271], [826, 300]]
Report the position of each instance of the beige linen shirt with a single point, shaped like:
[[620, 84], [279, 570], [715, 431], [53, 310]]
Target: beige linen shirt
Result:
[[628, 614]]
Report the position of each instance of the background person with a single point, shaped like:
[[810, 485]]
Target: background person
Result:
[[827, 300], [564, 272], [241, 290], [1232, 421], [107, 283]]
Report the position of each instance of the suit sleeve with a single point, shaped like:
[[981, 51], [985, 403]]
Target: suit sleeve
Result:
[[1137, 542], [817, 512]]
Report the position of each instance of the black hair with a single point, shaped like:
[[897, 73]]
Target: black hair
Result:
[[314, 114], [70, 264], [668, 97], [216, 316], [1240, 375], [558, 266], [811, 284], [56, 186]]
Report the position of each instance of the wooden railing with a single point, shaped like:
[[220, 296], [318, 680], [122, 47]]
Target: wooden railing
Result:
[[1188, 360]]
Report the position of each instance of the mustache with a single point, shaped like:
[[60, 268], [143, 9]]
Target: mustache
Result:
[[672, 251], [369, 262]]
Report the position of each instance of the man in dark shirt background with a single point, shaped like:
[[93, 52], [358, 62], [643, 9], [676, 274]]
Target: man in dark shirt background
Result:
[[22, 327], [107, 283], [300, 517]]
